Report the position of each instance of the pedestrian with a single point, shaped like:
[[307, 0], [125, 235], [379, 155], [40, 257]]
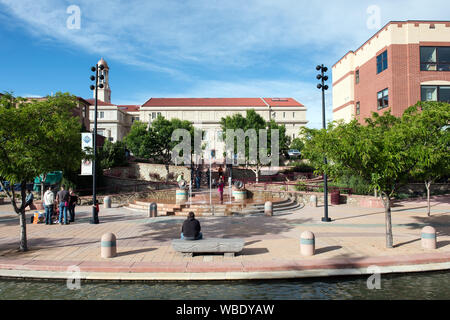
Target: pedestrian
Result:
[[73, 198], [29, 199], [207, 179], [220, 186], [191, 228], [220, 172], [62, 197], [49, 201], [197, 180]]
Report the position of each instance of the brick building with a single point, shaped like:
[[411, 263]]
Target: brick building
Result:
[[404, 62]]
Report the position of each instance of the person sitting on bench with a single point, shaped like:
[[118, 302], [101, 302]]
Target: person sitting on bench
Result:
[[191, 228]]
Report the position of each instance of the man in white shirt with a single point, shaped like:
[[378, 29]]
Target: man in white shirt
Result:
[[49, 200]]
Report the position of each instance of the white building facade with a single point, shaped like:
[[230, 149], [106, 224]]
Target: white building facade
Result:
[[114, 121]]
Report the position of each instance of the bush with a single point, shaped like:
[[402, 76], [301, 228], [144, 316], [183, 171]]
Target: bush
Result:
[[300, 186], [356, 183], [301, 167]]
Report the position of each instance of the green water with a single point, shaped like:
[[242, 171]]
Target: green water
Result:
[[430, 285]]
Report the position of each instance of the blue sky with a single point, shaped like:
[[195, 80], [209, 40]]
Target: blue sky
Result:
[[193, 48]]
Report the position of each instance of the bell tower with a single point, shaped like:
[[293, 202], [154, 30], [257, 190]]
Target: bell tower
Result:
[[104, 94]]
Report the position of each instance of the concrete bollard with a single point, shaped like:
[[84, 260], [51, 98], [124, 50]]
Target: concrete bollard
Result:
[[428, 238], [108, 245], [153, 210], [307, 243], [268, 208], [181, 196], [313, 201], [107, 202]]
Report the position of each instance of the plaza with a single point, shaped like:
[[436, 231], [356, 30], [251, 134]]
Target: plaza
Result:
[[349, 245]]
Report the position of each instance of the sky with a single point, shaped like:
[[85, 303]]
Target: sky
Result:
[[190, 48]]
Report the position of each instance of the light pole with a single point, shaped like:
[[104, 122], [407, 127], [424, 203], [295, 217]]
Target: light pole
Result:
[[98, 84], [324, 87]]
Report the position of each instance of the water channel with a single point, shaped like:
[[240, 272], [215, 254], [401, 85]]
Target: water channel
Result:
[[429, 285]]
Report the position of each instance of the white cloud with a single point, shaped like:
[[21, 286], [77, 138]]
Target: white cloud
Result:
[[162, 35]]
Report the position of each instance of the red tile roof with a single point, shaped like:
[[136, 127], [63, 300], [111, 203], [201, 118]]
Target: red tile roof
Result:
[[282, 102], [129, 107], [216, 102], [99, 102]]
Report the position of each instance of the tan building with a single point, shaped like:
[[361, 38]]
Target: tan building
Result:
[[114, 121], [404, 62]]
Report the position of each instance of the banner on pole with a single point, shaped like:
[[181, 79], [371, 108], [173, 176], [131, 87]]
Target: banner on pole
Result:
[[87, 144]]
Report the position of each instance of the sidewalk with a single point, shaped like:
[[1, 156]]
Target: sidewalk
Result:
[[353, 241]]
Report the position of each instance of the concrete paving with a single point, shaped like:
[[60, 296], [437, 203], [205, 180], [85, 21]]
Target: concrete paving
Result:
[[353, 241]]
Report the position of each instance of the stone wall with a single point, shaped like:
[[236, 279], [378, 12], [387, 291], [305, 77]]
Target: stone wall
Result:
[[304, 197], [148, 172]]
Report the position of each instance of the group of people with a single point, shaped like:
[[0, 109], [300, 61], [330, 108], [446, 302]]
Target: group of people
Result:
[[196, 175], [65, 200]]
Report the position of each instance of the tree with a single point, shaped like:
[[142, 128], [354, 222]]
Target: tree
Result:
[[381, 152], [156, 141], [112, 154], [253, 121], [297, 144], [429, 121], [36, 137]]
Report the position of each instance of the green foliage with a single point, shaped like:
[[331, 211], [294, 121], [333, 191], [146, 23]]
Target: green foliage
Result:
[[299, 166], [112, 154], [38, 136], [356, 183], [253, 120], [156, 141], [297, 144], [300, 186]]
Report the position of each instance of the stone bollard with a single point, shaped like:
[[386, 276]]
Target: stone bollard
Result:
[[268, 208], [313, 201], [153, 210], [108, 245], [307, 243], [107, 202], [428, 238], [181, 196]]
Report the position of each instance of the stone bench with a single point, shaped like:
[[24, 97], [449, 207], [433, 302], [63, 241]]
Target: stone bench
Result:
[[209, 245]]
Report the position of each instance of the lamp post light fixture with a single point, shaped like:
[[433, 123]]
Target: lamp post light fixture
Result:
[[98, 78], [324, 87]]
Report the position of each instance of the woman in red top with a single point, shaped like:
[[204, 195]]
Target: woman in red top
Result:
[[220, 189]]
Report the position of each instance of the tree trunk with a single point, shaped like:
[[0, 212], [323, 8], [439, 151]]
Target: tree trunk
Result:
[[428, 185], [23, 223], [23, 231], [388, 220]]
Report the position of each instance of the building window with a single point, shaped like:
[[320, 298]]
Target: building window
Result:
[[153, 115], [358, 108], [382, 62], [284, 115], [133, 119], [357, 76], [435, 58], [435, 93], [383, 99], [293, 114], [158, 114], [101, 114]]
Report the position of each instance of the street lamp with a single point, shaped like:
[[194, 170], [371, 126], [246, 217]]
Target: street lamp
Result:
[[98, 84], [324, 87]]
